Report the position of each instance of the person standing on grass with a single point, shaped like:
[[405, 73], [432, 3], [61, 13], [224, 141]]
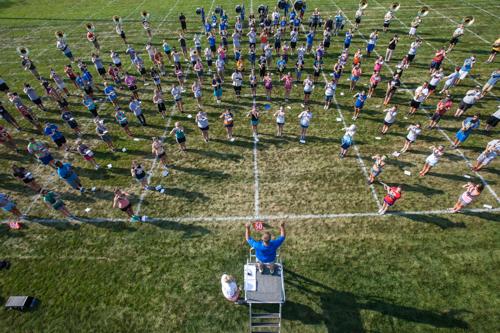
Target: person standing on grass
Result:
[[7, 141], [347, 140], [265, 249], [70, 120], [121, 201], [180, 136], [254, 116], [53, 200], [451, 80], [392, 87], [493, 120], [138, 172], [268, 85], [492, 81], [111, 95], [470, 98], [202, 122], [217, 88], [41, 151], [237, 79], [280, 120], [488, 155], [420, 95], [159, 101], [443, 106], [414, 26], [228, 122], [468, 125], [359, 103], [472, 192], [24, 110], [393, 195], [466, 68], [155, 76], [103, 134], [330, 88], [495, 48], [412, 52], [389, 119], [8, 205], [26, 177], [372, 42], [56, 135], [374, 81], [197, 92], [176, 92], [121, 119], [391, 47], [158, 151], [308, 89], [432, 159], [65, 172], [459, 31], [114, 73], [253, 83], [131, 83], [436, 77], [33, 96], [5, 115], [355, 76], [287, 84], [413, 132], [304, 120], [377, 167], [437, 60], [86, 153], [135, 107]]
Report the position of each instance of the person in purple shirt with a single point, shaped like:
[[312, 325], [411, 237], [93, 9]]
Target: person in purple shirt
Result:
[[265, 249]]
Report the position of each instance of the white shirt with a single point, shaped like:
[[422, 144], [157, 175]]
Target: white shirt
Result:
[[229, 290], [458, 31], [330, 89], [305, 119], [176, 92], [421, 94], [436, 78], [413, 48], [413, 132], [471, 96], [390, 115], [237, 79], [308, 85]]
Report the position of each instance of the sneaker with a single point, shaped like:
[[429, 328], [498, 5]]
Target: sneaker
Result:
[[302, 141], [261, 269], [97, 166], [232, 139], [325, 107]]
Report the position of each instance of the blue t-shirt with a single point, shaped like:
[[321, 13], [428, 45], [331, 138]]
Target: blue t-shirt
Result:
[[348, 38], [310, 38], [360, 101], [264, 253], [66, 172], [52, 131], [211, 41]]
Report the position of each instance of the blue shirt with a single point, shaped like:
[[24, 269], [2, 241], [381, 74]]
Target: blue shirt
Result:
[[266, 254], [348, 38], [310, 38], [66, 172], [52, 131], [211, 40], [360, 101]]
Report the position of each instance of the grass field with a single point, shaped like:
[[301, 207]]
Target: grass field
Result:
[[347, 269]]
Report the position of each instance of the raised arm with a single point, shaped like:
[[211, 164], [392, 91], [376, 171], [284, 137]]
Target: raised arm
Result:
[[282, 229], [247, 231]]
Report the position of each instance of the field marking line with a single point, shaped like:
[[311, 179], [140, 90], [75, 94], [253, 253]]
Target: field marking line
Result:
[[481, 9], [485, 183], [331, 216], [455, 22], [155, 162], [256, 180], [166, 16], [356, 149]]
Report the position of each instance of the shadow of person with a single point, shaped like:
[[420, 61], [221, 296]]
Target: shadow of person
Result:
[[341, 310]]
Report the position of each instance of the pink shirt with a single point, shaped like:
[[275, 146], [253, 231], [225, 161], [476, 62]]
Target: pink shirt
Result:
[[130, 80]]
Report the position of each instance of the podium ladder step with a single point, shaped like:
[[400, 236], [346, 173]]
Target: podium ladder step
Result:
[[265, 316]]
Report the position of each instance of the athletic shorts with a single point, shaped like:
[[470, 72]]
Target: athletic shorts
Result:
[[161, 107], [61, 141], [180, 140], [435, 65], [4, 87], [46, 159], [204, 128], [132, 88], [436, 116], [101, 71], [328, 98], [454, 41], [492, 121], [387, 124], [125, 124], [414, 104], [432, 87], [38, 101], [124, 209], [464, 106]]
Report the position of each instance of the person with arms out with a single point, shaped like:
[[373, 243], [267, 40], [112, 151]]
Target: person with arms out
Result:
[[470, 98], [468, 125], [26, 177], [65, 172], [389, 119], [489, 154], [443, 106], [432, 159], [393, 195], [472, 191], [420, 95], [265, 249], [54, 201], [413, 132]]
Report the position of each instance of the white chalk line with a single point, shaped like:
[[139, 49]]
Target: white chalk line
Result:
[[453, 21], [440, 130], [328, 216], [256, 179], [481, 9]]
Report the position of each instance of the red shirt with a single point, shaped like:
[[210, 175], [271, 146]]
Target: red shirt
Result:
[[393, 196], [442, 106], [439, 57]]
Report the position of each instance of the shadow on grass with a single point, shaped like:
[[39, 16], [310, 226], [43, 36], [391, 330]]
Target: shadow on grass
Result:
[[5, 231], [489, 217], [217, 155], [202, 172], [422, 189], [439, 221], [61, 226], [188, 230], [341, 310]]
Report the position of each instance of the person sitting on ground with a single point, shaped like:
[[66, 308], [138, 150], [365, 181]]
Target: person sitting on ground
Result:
[[265, 249]]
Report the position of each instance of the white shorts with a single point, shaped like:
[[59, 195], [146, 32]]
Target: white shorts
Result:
[[413, 31], [463, 74], [486, 159], [431, 160]]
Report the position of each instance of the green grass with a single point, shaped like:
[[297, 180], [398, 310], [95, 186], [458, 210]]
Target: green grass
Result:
[[411, 273]]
